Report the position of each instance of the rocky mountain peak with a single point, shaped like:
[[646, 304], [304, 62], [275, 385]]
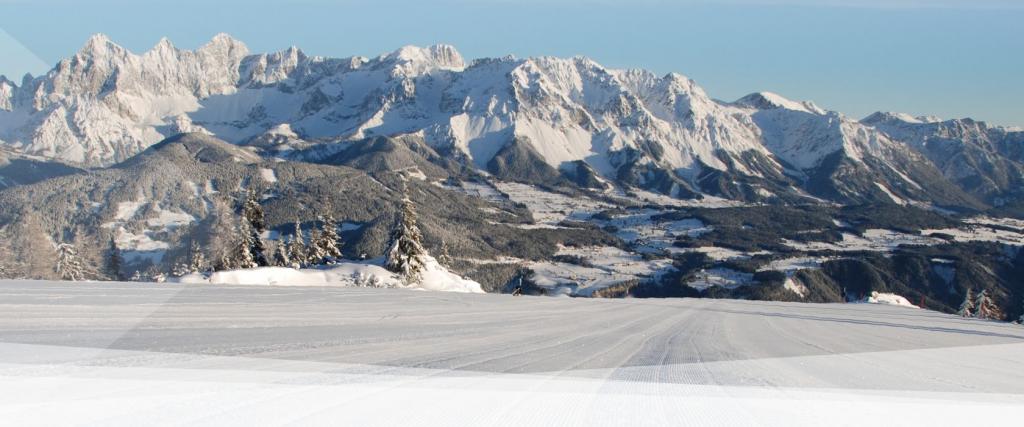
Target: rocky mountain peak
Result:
[[771, 101], [99, 45], [441, 56]]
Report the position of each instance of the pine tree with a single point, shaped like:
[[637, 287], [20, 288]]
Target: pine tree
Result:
[[445, 258], [197, 260], [252, 212], [328, 241], [69, 265], [406, 254], [297, 248], [983, 305], [243, 256], [967, 307], [225, 261], [113, 261], [280, 258], [316, 254], [1021, 319], [259, 250]]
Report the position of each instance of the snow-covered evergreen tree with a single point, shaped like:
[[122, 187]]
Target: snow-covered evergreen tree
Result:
[[243, 256], [445, 257], [252, 212], [1021, 319], [180, 269], [69, 265], [225, 261], [297, 247], [280, 257], [406, 254], [113, 261], [260, 255], [197, 259], [328, 241], [316, 254], [983, 306], [967, 306]]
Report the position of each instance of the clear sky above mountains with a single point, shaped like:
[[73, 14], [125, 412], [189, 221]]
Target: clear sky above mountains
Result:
[[950, 58]]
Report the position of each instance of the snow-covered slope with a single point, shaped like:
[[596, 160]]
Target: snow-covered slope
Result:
[[224, 355], [661, 133]]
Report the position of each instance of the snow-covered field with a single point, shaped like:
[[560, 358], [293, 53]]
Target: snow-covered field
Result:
[[549, 208], [639, 229], [873, 240], [723, 277], [124, 354], [976, 232], [605, 266]]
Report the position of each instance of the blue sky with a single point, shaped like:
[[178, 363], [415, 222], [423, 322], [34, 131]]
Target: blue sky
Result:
[[951, 58]]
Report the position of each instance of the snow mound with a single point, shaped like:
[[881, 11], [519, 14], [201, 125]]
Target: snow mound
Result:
[[888, 299], [347, 274], [437, 278]]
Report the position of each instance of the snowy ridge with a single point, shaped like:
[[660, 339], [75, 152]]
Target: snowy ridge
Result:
[[106, 103], [662, 133], [769, 100]]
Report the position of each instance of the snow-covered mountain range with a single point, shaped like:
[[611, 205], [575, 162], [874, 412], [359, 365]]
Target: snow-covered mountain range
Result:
[[527, 119], [551, 176]]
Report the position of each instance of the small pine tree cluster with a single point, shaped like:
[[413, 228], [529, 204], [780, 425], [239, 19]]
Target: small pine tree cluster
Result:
[[984, 308], [980, 306], [324, 247], [248, 249], [194, 263]]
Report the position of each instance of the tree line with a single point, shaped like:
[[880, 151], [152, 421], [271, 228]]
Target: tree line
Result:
[[246, 246]]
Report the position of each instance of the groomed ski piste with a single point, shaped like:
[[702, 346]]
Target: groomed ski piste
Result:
[[203, 354]]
